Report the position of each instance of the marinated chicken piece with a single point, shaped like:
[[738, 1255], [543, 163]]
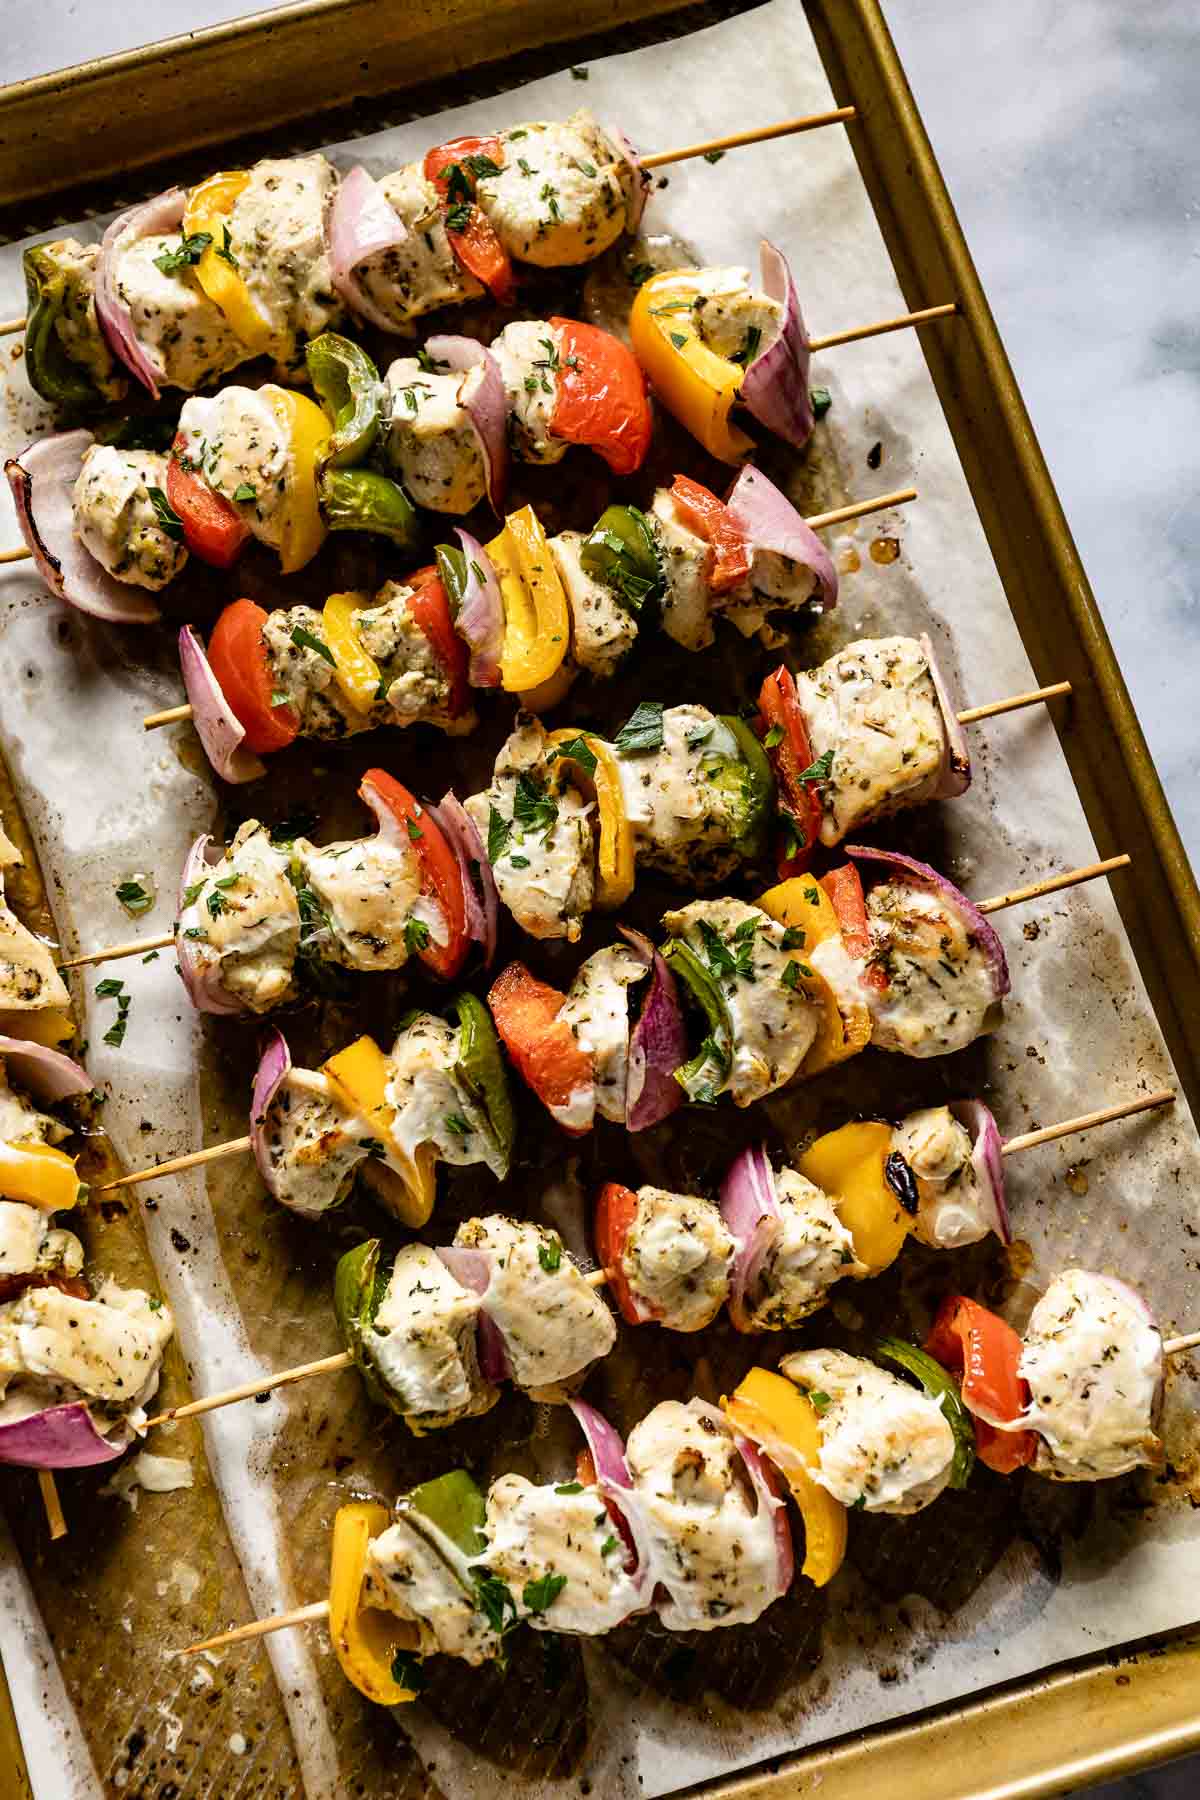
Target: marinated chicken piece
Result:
[[314, 1148], [537, 831], [714, 1547], [677, 1258], [244, 916], [432, 1105], [561, 1556], [602, 630], [528, 354], [20, 1120], [554, 1325], [306, 677], [422, 273], [30, 1245], [684, 558], [277, 238], [773, 1021], [941, 991], [117, 521], [688, 801], [55, 1348], [412, 1570], [731, 318], [421, 1343], [885, 1446], [1094, 1363], [235, 443], [431, 442], [178, 327], [597, 1010], [77, 327], [29, 980], [416, 686], [955, 1207], [369, 890], [562, 194], [874, 709], [809, 1251]]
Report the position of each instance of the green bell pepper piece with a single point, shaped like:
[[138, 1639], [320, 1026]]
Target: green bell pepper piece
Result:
[[361, 500], [358, 1287], [454, 1506], [347, 384], [703, 1078], [744, 778], [452, 568], [53, 374], [941, 1386], [621, 551], [480, 1068]]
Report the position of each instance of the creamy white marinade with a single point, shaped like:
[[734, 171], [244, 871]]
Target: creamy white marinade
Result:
[[562, 193], [178, 328], [31, 1245], [56, 1348], [885, 1446], [677, 1258], [537, 831], [809, 1250], [237, 444], [528, 354], [602, 630], [597, 1011], [117, 520], [940, 993], [685, 800], [421, 1342], [412, 1571], [430, 441], [277, 238], [421, 273], [560, 1554], [29, 979], [432, 1104], [955, 1207]]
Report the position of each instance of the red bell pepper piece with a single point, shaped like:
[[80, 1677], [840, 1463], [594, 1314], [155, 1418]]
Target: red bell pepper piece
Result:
[[845, 889], [616, 1210], [983, 1351], [540, 1042], [237, 657], [431, 610], [473, 240], [600, 398], [441, 878], [213, 528], [790, 755], [712, 520]]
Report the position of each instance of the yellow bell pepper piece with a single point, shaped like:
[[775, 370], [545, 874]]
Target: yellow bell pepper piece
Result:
[[38, 1175], [845, 1025], [357, 674], [208, 208], [784, 1424], [306, 432], [365, 1638], [359, 1075], [848, 1164], [537, 621], [691, 380], [615, 857]]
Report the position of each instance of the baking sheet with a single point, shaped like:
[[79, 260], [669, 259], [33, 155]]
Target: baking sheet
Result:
[[982, 1588]]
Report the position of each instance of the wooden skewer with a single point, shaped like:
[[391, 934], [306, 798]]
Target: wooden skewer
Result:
[[902, 322], [11, 556], [9, 326], [1015, 701], [299, 1615], [177, 1164], [53, 1505], [1176, 1346], [596, 1278], [762, 135], [139, 947], [1053, 884]]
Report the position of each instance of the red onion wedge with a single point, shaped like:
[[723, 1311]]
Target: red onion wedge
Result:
[[362, 223], [480, 618], [274, 1067], [479, 884], [640, 179], [481, 395], [892, 863], [62, 1437], [43, 480], [987, 1160], [766, 1488], [217, 726], [769, 521], [48, 1074], [613, 1479], [750, 1209], [954, 776], [473, 1269], [658, 1044], [775, 386], [200, 975], [152, 219]]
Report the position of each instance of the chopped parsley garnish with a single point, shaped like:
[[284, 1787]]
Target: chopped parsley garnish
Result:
[[609, 1545], [133, 897], [585, 168], [416, 935], [579, 750], [429, 364], [458, 1125], [407, 1671], [640, 272], [496, 1603], [110, 986], [296, 825], [458, 217], [643, 730], [569, 1487], [481, 166], [819, 771], [519, 862], [794, 938], [191, 249], [792, 974], [215, 904], [280, 697], [730, 960], [499, 833], [524, 167], [541, 1594], [152, 956], [372, 1146], [533, 809], [244, 491], [550, 1256], [794, 838], [578, 74], [670, 306], [700, 736], [225, 251], [307, 640], [818, 1400], [679, 339], [773, 737], [110, 989], [713, 156], [169, 521], [820, 400], [549, 195], [414, 830], [749, 350]]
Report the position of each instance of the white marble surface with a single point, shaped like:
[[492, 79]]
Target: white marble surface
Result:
[[1066, 130]]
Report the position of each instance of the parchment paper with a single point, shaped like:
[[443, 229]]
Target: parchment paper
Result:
[[989, 1585]]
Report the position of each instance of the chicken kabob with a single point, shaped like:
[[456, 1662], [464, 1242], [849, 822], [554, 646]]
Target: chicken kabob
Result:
[[689, 1520], [566, 822], [437, 1331]]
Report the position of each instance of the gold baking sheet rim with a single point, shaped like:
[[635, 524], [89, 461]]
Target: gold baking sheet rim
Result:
[[1068, 1728]]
